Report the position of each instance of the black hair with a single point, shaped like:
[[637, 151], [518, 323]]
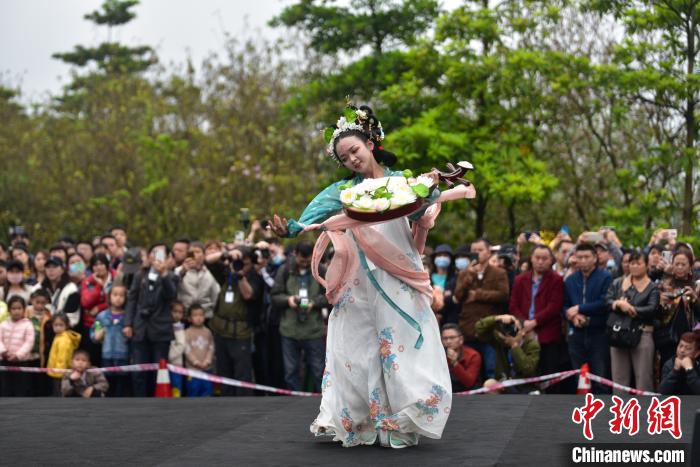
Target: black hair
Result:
[[57, 247], [107, 235], [82, 352], [304, 249], [637, 254], [14, 299], [175, 303], [40, 293], [657, 247], [85, 242], [451, 327], [486, 241], [182, 240], [372, 132], [117, 227], [585, 247], [156, 245], [99, 258], [61, 317], [195, 306], [248, 253], [542, 246]]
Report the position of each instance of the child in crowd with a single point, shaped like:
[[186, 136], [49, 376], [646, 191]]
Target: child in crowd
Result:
[[199, 352], [16, 343], [39, 314], [80, 382], [65, 343], [177, 346], [108, 329]]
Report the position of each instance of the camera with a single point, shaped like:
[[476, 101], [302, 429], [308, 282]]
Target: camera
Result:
[[237, 265], [507, 329], [17, 231], [473, 257]]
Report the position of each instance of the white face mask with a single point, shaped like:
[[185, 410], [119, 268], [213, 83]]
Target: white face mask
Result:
[[15, 278], [302, 272]]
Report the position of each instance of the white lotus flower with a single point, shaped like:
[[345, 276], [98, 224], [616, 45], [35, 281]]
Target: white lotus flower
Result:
[[347, 196], [425, 180], [365, 202], [381, 204], [401, 199]]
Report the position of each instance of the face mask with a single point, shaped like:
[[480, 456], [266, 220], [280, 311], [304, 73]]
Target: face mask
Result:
[[443, 261], [14, 278], [610, 264], [302, 272], [277, 260], [76, 268], [461, 263], [696, 271]]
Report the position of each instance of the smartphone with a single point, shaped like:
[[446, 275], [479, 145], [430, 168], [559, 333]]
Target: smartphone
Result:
[[160, 255], [667, 256], [240, 236]]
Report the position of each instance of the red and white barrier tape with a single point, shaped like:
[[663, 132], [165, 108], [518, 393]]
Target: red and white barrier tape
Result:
[[613, 384], [517, 382], [234, 382], [547, 380], [138, 367]]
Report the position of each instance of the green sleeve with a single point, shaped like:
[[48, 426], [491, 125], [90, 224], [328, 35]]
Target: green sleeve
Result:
[[527, 357], [324, 205]]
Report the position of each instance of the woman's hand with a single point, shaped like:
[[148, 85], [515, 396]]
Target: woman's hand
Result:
[[433, 175], [278, 225], [311, 227]]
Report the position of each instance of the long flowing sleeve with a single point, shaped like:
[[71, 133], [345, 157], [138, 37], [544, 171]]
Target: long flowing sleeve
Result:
[[324, 205]]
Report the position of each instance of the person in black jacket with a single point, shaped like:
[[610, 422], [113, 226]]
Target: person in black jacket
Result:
[[636, 296], [681, 375], [148, 322]]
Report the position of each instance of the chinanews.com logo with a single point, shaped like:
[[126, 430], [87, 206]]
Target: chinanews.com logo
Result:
[[661, 416]]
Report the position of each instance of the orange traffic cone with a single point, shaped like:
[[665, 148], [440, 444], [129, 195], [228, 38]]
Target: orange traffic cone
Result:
[[584, 382], [163, 388]]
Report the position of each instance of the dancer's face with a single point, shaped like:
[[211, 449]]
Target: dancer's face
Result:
[[355, 154]]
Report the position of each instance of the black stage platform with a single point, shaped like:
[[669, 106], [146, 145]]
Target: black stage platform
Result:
[[482, 430]]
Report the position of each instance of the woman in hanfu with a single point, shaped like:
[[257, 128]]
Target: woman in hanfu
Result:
[[386, 378]]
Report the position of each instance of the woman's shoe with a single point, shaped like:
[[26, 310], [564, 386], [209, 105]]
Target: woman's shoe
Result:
[[402, 440]]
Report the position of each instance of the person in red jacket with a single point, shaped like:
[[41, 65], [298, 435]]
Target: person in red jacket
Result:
[[94, 291], [543, 314], [463, 361]]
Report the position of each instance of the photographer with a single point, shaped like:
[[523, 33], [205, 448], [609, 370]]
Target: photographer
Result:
[[482, 290], [517, 351], [197, 284], [680, 310], [234, 318], [585, 309], [148, 322], [300, 298]]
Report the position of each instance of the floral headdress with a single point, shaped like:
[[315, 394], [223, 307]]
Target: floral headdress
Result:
[[361, 119]]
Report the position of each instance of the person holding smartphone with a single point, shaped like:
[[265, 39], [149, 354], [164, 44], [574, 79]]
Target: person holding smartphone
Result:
[[148, 322]]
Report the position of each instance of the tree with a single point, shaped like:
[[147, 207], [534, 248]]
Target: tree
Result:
[[657, 64], [109, 57], [488, 111]]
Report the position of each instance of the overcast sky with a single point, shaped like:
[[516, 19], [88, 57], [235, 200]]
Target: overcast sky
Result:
[[31, 30]]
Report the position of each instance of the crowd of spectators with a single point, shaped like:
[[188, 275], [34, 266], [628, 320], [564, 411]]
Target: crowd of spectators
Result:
[[250, 309]]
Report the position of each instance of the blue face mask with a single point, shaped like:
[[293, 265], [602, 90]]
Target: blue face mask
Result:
[[76, 268], [461, 263], [277, 260], [610, 264], [443, 262]]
